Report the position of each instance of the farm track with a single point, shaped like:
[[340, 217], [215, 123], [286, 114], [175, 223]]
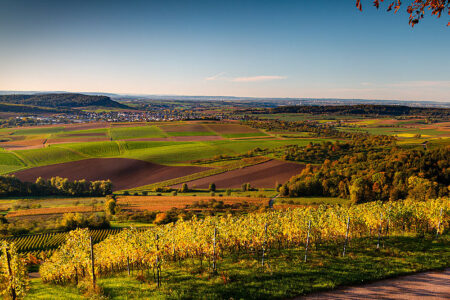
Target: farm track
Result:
[[427, 285]]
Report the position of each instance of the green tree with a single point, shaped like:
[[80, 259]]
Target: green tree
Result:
[[184, 188], [110, 207], [212, 187]]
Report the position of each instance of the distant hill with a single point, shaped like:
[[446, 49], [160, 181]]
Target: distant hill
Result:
[[20, 108], [61, 100]]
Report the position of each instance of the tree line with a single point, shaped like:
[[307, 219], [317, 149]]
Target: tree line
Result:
[[319, 152], [61, 100], [12, 186], [315, 128], [362, 109]]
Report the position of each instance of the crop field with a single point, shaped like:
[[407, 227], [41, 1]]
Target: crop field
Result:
[[187, 129], [165, 203], [121, 133], [170, 144], [124, 173], [52, 211], [235, 130], [264, 175]]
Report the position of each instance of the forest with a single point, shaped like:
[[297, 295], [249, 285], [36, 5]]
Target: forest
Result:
[[61, 100], [364, 109], [369, 175]]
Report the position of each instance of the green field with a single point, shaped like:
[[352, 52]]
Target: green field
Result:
[[121, 133], [164, 152], [38, 131]]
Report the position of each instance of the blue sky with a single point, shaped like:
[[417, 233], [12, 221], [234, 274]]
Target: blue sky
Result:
[[278, 48]]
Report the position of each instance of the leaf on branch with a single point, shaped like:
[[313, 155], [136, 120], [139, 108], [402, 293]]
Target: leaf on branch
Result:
[[376, 3], [390, 6], [358, 5]]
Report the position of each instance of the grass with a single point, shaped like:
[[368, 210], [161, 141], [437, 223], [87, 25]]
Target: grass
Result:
[[40, 290], [285, 274], [120, 133]]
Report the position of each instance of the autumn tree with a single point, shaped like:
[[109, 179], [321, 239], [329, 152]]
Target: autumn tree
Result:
[[416, 8]]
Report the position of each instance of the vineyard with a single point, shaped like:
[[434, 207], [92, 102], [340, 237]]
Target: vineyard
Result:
[[47, 241], [214, 238]]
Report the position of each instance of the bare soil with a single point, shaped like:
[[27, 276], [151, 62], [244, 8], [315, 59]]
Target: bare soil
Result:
[[263, 175], [123, 172]]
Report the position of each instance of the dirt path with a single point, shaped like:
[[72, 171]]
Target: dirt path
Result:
[[428, 285]]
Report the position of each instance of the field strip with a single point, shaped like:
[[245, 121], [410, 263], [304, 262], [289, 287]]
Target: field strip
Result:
[[210, 129], [203, 174], [119, 146], [73, 151], [25, 161]]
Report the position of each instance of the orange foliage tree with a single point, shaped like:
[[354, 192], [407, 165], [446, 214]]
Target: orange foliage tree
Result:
[[416, 8]]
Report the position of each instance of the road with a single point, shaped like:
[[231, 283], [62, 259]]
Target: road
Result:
[[428, 285]]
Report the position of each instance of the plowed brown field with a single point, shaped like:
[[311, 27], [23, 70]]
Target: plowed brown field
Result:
[[123, 172], [263, 175]]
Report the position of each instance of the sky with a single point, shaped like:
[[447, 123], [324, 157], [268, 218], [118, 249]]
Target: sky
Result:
[[248, 48]]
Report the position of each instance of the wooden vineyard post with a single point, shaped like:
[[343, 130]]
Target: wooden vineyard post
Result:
[[10, 275], [380, 230], [214, 251], [346, 237], [264, 245], [158, 278], [92, 261], [439, 224], [307, 240], [128, 266]]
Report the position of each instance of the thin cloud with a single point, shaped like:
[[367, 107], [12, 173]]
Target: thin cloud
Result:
[[215, 77], [257, 78], [423, 83]]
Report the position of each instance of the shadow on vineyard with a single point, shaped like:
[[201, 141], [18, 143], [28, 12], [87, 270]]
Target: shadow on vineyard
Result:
[[285, 274]]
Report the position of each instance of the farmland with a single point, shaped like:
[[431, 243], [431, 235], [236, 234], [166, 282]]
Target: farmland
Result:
[[51, 147], [163, 172]]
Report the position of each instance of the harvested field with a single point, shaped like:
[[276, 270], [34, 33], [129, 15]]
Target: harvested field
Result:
[[148, 140], [124, 173], [23, 144], [184, 128], [165, 203], [52, 211], [200, 138], [94, 134], [77, 140], [85, 126], [263, 175], [232, 128]]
